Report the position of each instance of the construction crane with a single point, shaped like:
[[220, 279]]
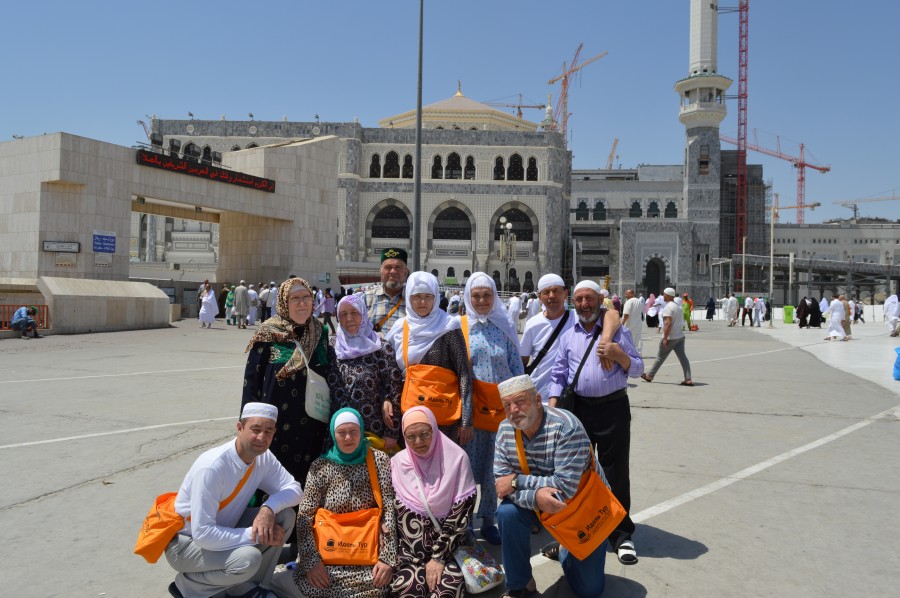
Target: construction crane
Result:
[[561, 112], [799, 162], [518, 106], [612, 154], [811, 206], [146, 130], [852, 203]]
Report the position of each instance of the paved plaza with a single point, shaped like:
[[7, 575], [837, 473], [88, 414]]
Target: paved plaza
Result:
[[777, 474]]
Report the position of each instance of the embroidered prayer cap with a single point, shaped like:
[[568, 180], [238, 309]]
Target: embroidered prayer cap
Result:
[[260, 410], [393, 253], [588, 284], [669, 291], [550, 280], [515, 385]]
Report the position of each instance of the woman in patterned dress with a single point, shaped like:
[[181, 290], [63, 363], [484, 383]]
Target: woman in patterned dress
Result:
[[432, 467], [365, 374], [339, 481], [494, 352], [276, 374], [435, 340]]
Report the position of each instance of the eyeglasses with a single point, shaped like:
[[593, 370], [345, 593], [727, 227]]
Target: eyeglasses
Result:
[[414, 438], [422, 298], [300, 300]]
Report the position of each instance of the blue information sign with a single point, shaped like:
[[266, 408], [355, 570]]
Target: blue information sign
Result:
[[104, 241]]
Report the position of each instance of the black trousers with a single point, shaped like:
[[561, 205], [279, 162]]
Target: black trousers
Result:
[[608, 425]]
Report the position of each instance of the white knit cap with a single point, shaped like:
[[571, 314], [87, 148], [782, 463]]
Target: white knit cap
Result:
[[260, 410], [515, 385], [550, 280], [588, 284], [669, 291], [347, 417]]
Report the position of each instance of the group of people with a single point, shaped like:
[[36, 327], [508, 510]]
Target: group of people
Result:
[[420, 449], [239, 306]]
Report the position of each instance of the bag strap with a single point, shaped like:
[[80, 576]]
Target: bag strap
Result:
[[373, 477], [434, 520], [464, 322], [240, 485], [546, 348], [389, 314], [520, 450], [597, 330], [405, 344]]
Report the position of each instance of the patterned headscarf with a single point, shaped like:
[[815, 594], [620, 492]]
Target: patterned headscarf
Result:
[[365, 341], [281, 329]]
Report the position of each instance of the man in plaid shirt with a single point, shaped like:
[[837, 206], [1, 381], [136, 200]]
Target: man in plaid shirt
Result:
[[385, 302]]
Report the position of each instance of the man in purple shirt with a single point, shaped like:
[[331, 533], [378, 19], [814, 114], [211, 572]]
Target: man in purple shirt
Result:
[[601, 403]]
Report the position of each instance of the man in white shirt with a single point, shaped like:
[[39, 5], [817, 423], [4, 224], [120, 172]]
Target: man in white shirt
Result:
[[759, 312], [892, 314], [233, 547], [748, 310], [672, 339], [631, 317], [731, 309], [253, 297]]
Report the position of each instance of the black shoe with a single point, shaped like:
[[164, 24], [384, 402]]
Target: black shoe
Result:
[[173, 589]]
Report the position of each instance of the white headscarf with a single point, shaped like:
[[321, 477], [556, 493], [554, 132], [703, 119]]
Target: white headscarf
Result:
[[422, 331], [498, 316]]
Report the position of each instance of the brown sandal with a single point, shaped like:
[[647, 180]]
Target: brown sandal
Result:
[[646, 378]]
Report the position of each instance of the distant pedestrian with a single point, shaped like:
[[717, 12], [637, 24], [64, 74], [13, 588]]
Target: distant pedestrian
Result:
[[835, 317], [241, 304], [23, 321], [253, 298], [892, 314], [803, 309], [710, 309], [229, 305], [672, 340], [815, 314], [208, 306]]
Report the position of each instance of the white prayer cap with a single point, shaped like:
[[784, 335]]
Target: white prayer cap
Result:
[[550, 280], [260, 410], [347, 417], [588, 284], [669, 291], [515, 385]]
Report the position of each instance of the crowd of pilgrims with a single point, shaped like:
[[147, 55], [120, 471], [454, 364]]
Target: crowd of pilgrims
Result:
[[450, 451]]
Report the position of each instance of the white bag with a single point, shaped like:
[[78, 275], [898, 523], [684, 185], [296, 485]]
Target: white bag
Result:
[[318, 397]]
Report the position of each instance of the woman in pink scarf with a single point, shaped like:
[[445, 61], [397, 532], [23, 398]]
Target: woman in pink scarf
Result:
[[432, 481]]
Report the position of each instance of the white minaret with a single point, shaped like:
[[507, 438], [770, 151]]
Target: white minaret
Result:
[[702, 96]]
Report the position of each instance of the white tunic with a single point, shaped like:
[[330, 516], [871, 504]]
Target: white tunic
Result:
[[209, 308], [836, 309], [632, 309]]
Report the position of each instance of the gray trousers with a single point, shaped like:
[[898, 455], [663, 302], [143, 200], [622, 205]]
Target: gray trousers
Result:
[[203, 573], [676, 345]]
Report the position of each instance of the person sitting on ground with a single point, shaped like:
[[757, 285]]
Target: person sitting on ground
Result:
[[558, 451], [436, 496], [342, 482], [233, 548], [23, 321]]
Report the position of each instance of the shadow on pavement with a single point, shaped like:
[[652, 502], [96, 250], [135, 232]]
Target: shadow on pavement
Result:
[[620, 587], [660, 544]]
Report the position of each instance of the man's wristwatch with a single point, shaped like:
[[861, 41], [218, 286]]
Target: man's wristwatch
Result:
[[514, 483]]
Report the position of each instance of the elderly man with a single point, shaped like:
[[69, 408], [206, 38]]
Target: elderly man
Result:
[[601, 402], [241, 304], [225, 545], [631, 317], [541, 336], [729, 304], [892, 314], [385, 301], [672, 339], [557, 451]]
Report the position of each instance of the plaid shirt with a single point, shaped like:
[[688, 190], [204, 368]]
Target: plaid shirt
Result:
[[380, 303]]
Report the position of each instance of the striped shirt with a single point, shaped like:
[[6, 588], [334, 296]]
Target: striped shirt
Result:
[[557, 456], [380, 304], [594, 381]]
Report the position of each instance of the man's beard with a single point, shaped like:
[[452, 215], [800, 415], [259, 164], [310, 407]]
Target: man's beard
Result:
[[589, 319], [393, 285]]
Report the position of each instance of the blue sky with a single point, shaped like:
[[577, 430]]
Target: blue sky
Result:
[[823, 72]]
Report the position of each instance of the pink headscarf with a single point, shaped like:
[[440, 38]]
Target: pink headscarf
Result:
[[365, 341], [444, 473], [650, 301]]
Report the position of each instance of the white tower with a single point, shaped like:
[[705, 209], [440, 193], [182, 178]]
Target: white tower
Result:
[[702, 96]]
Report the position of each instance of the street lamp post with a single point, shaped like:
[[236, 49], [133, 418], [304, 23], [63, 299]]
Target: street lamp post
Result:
[[507, 246], [772, 264], [809, 275]]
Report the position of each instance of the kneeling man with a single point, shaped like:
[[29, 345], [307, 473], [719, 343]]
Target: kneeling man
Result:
[[225, 545], [558, 452]]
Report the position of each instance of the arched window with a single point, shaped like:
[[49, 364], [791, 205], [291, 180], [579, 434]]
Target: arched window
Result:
[[439, 127], [437, 169], [187, 151], [252, 145], [635, 211], [391, 222], [671, 210], [467, 274], [407, 167], [522, 226], [469, 173], [454, 166], [235, 148], [391, 165], [375, 167], [515, 172], [653, 210], [499, 169], [581, 212], [531, 173], [599, 211], [435, 272], [451, 271], [452, 224], [207, 155]]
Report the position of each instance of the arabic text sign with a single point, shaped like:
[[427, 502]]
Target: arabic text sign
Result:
[[205, 171], [104, 241]]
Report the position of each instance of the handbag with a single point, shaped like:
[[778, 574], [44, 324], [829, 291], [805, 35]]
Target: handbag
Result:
[[318, 397], [162, 522], [589, 517], [350, 538], [480, 570], [566, 400]]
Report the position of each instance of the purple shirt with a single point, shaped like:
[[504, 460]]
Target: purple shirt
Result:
[[594, 381]]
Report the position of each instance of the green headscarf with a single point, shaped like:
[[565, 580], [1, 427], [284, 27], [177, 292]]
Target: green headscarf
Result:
[[359, 455]]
